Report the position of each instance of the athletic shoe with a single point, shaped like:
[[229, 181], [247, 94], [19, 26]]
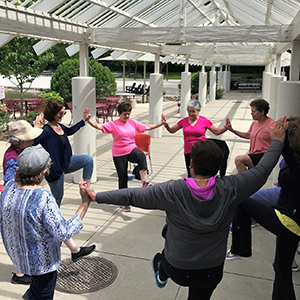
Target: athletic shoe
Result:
[[126, 208], [230, 256], [83, 252], [155, 266], [25, 279], [254, 223], [295, 268], [145, 184]]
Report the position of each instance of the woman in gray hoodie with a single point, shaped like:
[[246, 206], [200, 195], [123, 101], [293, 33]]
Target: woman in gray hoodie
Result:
[[199, 211]]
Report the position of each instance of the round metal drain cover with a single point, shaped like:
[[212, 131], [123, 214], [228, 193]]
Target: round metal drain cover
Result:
[[88, 275]]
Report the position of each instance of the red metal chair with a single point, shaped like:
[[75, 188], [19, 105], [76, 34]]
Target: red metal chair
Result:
[[143, 141], [12, 106]]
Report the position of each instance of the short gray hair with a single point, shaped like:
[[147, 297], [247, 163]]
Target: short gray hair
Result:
[[14, 141], [195, 104]]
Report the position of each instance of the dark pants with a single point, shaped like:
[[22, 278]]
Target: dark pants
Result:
[[121, 164], [42, 287], [286, 244], [201, 282], [187, 158]]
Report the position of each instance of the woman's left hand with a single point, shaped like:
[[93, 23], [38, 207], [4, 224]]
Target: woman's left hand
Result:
[[86, 114], [278, 131], [39, 121]]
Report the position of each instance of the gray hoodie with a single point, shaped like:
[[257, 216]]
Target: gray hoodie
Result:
[[196, 230]]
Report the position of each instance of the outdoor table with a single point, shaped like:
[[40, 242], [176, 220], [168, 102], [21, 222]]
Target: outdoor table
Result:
[[26, 101]]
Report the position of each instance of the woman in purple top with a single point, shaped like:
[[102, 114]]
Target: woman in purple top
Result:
[[194, 128]]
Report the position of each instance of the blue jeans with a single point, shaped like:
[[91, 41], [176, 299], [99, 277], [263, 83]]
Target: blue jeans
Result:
[[77, 162]]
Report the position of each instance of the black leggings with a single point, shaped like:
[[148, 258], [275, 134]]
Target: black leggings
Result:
[[187, 157], [201, 282], [121, 164], [286, 244]]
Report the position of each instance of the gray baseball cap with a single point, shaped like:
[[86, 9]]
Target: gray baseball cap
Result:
[[33, 160]]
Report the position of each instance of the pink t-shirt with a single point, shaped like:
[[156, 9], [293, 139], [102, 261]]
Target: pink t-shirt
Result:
[[191, 134], [259, 137], [123, 135]]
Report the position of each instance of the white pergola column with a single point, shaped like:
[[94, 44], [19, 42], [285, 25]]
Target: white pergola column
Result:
[[124, 84], [226, 79], [295, 62], [288, 95], [202, 86], [156, 98], [84, 59], [212, 83], [185, 94], [266, 82], [278, 64], [84, 141], [274, 100]]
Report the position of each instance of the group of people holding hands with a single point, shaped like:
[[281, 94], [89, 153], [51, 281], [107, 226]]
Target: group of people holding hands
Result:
[[199, 208]]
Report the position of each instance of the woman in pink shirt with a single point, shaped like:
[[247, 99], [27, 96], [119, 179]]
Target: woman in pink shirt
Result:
[[257, 133], [124, 148], [194, 128]]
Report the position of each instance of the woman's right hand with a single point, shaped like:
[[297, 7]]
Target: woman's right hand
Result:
[[279, 130]]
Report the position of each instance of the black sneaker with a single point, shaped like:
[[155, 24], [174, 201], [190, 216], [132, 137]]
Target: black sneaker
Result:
[[25, 279], [83, 252], [155, 266]]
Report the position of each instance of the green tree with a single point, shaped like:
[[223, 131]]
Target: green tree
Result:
[[20, 64], [61, 81]]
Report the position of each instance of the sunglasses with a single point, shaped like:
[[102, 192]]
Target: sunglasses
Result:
[[62, 113]]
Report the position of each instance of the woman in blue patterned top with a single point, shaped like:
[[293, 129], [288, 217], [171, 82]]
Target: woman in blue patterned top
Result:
[[32, 225]]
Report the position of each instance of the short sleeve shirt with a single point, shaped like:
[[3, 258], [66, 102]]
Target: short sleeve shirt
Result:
[[123, 135], [191, 134], [259, 137]]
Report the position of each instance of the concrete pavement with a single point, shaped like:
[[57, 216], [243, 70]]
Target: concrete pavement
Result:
[[130, 240]]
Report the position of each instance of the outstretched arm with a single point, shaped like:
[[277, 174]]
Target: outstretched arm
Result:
[[153, 126], [94, 124], [216, 130], [171, 129], [243, 135]]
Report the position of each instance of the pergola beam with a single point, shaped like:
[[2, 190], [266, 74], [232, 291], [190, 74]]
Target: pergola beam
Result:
[[22, 21], [210, 34]]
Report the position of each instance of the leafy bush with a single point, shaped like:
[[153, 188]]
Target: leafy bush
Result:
[[219, 93], [52, 95], [61, 81]]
